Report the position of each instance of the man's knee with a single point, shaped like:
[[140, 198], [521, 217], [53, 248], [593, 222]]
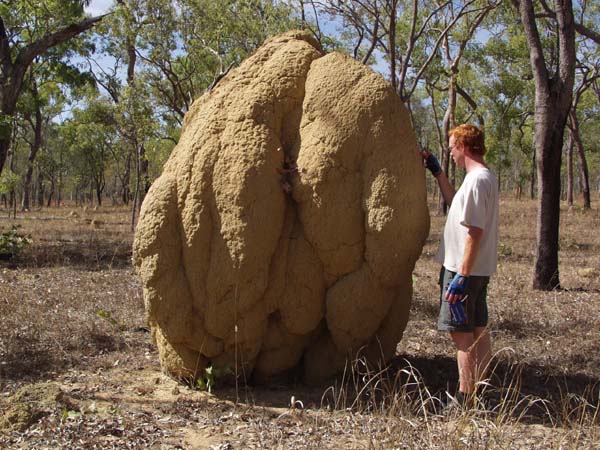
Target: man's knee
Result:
[[481, 337], [480, 331], [462, 340]]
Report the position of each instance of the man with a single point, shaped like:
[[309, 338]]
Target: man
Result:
[[468, 252]]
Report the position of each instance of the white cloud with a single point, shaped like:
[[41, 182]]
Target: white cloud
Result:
[[98, 7]]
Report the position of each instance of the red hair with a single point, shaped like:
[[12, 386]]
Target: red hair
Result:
[[470, 136]]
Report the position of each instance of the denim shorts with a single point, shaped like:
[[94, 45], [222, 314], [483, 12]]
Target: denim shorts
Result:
[[475, 304]]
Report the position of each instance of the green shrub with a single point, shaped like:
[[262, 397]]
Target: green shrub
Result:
[[9, 181], [12, 242]]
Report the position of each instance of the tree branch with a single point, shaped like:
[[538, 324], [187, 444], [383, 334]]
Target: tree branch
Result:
[[590, 34], [428, 19], [546, 7], [5, 60], [460, 91], [29, 52], [472, 28], [566, 43], [442, 35], [219, 76], [538, 63], [374, 40], [579, 27], [112, 91]]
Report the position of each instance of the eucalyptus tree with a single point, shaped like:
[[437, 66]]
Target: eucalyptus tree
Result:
[[587, 73], [28, 29], [119, 37], [408, 34], [54, 165], [589, 113], [165, 54], [554, 76], [50, 79], [553, 67], [414, 37], [586, 76], [194, 43], [34, 116], [502, 85], [454, 45], [89, 136]]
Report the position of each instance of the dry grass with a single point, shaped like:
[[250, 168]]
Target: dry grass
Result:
[[72, 317]]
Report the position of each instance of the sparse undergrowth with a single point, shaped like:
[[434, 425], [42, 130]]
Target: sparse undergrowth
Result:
[[73, 320]]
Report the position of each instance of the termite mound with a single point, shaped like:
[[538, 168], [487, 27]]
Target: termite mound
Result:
[[282, 234]]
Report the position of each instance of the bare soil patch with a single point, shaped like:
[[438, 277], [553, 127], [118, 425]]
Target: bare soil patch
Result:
[[78, 368]]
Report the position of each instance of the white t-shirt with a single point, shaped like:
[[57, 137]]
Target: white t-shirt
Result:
[[474, 204]]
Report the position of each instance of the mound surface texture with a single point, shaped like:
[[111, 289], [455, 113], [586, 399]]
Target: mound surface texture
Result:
[[284, 229]]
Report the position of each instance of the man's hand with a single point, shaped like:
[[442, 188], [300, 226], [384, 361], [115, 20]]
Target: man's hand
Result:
[[456, 289], [431, 163]]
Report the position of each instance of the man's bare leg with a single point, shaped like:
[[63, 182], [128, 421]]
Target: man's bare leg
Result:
[[466, 361], [482, 352]]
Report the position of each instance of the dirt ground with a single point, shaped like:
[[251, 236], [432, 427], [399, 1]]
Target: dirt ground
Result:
[[78, 368]]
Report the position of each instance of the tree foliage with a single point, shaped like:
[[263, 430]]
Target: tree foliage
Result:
[[27, 31], [111, 103]]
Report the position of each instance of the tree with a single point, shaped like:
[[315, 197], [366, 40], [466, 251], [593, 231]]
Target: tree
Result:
[[554, 76], [36, 120], [501, 83], [89, 135], [554, 80], [453, 54], [27, 30], [407, 33], [187, 46], [588, 76], [49, 79], [587, 73]]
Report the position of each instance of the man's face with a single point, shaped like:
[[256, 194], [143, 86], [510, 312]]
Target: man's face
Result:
[[457, 151]]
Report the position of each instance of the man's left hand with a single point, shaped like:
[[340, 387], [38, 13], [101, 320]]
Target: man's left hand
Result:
[[431, 163], [456, 288]]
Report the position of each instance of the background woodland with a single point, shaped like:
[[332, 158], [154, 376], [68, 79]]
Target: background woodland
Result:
[[91, 107]]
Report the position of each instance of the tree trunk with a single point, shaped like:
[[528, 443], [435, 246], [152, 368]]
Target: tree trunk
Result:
[[532, 175], [40, 192], [25, 204], [8, 106], [447, 125], [99, 190], [546, 276], [50, 194], [585, 178], [33, 149], [142, 184], [142, 162], [392, 46], [570, 171], [553, 96], [136, 195], [126, 191], [12, 195], [144, 165]]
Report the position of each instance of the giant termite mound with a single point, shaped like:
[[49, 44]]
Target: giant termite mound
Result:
[[284, 229]]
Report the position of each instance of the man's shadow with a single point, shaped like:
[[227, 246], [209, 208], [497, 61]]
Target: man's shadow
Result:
[[523, 392], [528, 392]]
